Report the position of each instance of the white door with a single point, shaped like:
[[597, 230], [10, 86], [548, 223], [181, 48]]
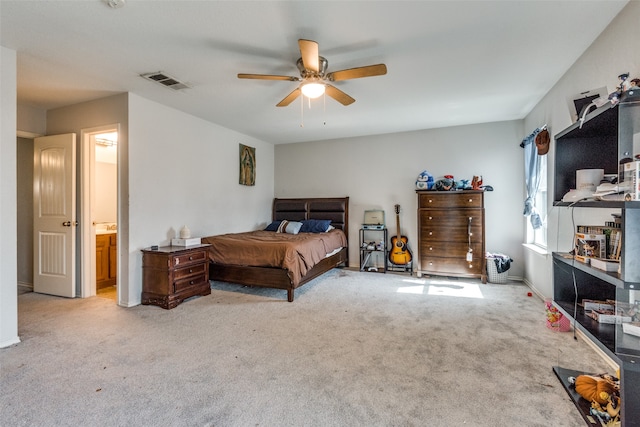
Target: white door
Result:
[[54, 214]]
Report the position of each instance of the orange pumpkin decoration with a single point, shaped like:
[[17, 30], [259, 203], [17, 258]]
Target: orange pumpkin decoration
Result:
[[594, 389]]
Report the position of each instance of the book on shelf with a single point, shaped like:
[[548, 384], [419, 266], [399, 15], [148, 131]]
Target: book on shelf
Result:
[[615, 244]]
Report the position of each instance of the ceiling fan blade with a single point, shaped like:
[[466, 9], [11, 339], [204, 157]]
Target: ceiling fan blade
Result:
[[289, 98], [356, 73], [339, 95], [267, 77], [310, 55]]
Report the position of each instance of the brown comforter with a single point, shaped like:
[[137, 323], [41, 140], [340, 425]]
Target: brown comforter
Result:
[[295, 253]]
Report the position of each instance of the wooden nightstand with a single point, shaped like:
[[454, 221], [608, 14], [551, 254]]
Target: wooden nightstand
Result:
[[171, 274]]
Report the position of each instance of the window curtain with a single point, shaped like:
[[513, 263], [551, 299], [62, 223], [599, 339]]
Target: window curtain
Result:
[[532, 177]]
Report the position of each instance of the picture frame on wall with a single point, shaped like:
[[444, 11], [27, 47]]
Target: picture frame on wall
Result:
[[247, 165]]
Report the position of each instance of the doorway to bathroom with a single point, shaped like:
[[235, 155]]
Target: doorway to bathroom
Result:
[[100, 237]]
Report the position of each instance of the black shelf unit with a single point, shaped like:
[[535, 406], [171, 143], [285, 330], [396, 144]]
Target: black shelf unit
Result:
[[605, 137], [380, 235]]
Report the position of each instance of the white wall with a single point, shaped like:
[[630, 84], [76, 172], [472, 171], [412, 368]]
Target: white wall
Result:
[[8, 220], [379, 171], [614, 52], [106, 197], [31, 120], [185, 171]]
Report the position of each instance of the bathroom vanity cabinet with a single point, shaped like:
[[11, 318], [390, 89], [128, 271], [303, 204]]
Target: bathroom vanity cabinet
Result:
[[106, 260]]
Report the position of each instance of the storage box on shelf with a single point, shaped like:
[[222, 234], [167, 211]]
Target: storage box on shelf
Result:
[[604, 140]]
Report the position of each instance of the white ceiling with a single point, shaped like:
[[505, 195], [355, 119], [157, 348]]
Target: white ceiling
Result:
[[449, 62]]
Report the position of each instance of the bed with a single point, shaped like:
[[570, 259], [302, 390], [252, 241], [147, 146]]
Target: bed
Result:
[[235, 258]]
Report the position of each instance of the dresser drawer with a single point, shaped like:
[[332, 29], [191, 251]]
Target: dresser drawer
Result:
[[445, 199], [449, 249], [189, 258], [451, 265], [189, 282], [189, 270], [451, 226]]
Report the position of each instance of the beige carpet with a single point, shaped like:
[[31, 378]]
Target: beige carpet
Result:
[[353, 349]]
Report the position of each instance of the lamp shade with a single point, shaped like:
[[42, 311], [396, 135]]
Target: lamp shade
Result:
[[312, 89]]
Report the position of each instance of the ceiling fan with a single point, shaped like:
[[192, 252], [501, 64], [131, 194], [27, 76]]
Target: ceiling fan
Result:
[[314, 76]]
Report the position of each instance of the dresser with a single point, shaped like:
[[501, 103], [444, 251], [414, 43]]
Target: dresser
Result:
[[171, 274], [451, 234]]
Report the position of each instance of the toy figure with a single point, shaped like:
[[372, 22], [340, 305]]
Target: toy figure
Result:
[[476, 183], [444, 184], [424, 181], [603, 391]]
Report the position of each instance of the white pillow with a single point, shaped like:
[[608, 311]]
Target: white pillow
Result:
[[289, 227]]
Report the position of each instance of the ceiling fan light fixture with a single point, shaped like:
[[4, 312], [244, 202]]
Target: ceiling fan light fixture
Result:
[[312, 89]]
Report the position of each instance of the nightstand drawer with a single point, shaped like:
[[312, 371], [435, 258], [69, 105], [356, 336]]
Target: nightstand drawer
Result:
[[188, 271], [188, 282], [189, 258]]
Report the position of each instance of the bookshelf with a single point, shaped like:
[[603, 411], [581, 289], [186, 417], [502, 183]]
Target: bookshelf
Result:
[[607, 136]]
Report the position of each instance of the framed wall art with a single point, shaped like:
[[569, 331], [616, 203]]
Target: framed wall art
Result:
[[247, 165]]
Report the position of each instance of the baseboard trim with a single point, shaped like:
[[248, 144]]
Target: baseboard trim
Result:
[[533, 288], [26, 285], [10, 342]]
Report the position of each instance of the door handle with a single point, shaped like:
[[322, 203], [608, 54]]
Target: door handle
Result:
[[66, 224]]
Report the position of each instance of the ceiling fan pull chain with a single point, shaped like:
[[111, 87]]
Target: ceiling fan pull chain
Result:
[[302, 111], [324, 108]]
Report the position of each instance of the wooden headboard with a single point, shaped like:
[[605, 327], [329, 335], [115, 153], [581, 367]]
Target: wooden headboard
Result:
[[334, 208]]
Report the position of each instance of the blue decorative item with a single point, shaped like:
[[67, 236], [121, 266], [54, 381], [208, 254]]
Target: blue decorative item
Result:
[[462, 184], [424, 181]]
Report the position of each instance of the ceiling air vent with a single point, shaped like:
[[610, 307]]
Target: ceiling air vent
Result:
[[165, 80]]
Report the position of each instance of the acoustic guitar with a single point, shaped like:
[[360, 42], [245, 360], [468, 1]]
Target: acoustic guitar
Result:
[[399, 253]]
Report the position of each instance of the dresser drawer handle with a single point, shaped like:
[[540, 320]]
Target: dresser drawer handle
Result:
[[192, 282], [431, 233], [470, 200], [430, 201], [430, 217], [191, 270], [430, 248], [190, 258]]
